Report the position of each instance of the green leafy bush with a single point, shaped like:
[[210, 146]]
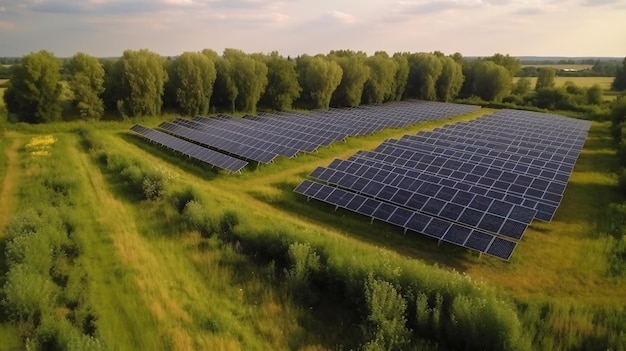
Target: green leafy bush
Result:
[[386, 321]]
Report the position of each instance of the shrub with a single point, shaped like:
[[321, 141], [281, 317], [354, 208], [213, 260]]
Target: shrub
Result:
[[156, 182], [197, 218], [227, 224], [617, 258], [27, 294], [386, 322], [304, 261]]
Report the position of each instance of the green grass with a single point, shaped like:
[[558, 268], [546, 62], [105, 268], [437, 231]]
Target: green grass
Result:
[[556, 66], [603, 82]]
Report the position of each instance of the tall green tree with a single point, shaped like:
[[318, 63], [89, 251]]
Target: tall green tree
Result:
[[401, 77], [192, 78], [319, 77], [34, 89], [512, 64], [594, 95], [112, 84], [86, 79], [424, 71], [282, 83], [355, 74], [143, 78], [451, 80], [522, 86], [545, 78], [491, 81], [619, 83], [225, 91], [380, 83], [249, 75]]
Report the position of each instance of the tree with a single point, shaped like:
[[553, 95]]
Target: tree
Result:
[[522, 86], [553, 98], [491, 81], [34, 90], [619, 83], [112, 85], [319, 77], [451, 80], [545, 78], [512, 64], [143, 77], [355, 74], [401, 77], [424, 71], [225, 91], [87, 83], [249, 76], [192, 77], [282, 83], [380, 83], [594, 95]]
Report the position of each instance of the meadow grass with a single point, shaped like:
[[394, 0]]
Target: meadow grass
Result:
[[558, 66], [603, 82], [189, 283], [8, 331]]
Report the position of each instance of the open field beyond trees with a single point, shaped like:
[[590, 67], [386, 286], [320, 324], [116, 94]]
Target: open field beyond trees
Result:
[[603, 82], [135, 274]]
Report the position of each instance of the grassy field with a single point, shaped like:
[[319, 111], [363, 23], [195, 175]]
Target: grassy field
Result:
[[155, 284], [603, 82], [578, 67]]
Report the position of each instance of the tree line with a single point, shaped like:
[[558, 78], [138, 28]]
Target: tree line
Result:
[[141, 82]]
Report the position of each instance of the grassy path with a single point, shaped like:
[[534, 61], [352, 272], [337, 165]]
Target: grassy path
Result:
[[8, 332], [143, 270], [8, 183]]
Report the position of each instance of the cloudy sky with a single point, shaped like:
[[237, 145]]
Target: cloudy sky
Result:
[[292, 27]]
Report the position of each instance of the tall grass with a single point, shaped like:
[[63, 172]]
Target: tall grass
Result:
[[187, 275]]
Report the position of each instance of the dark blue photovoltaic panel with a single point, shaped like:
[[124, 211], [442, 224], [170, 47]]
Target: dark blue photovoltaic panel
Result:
[[190, 149]]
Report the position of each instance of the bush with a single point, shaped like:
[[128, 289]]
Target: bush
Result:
[[27, 294], [617, 258], [227, 225], [156, 182], [197, 218], [304, 261], [386, 322]]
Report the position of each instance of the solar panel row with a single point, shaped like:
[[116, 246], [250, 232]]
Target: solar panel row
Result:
[[190, 149], [409, 220], [264, 137], [492, 175]]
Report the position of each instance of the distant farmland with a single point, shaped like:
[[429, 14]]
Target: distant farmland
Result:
[[603, 82]]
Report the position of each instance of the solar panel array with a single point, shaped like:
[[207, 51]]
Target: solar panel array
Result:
[[476, 184], [234, 141], [264, 137], [190, 149]]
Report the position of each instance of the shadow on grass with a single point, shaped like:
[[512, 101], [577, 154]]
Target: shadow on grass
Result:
[[363, 228], [585, 202], [598, 154]]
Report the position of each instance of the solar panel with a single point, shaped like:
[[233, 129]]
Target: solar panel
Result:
[[402, 217], [192, 150]]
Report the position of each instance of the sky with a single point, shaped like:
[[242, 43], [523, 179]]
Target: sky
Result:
[[105, 28]]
